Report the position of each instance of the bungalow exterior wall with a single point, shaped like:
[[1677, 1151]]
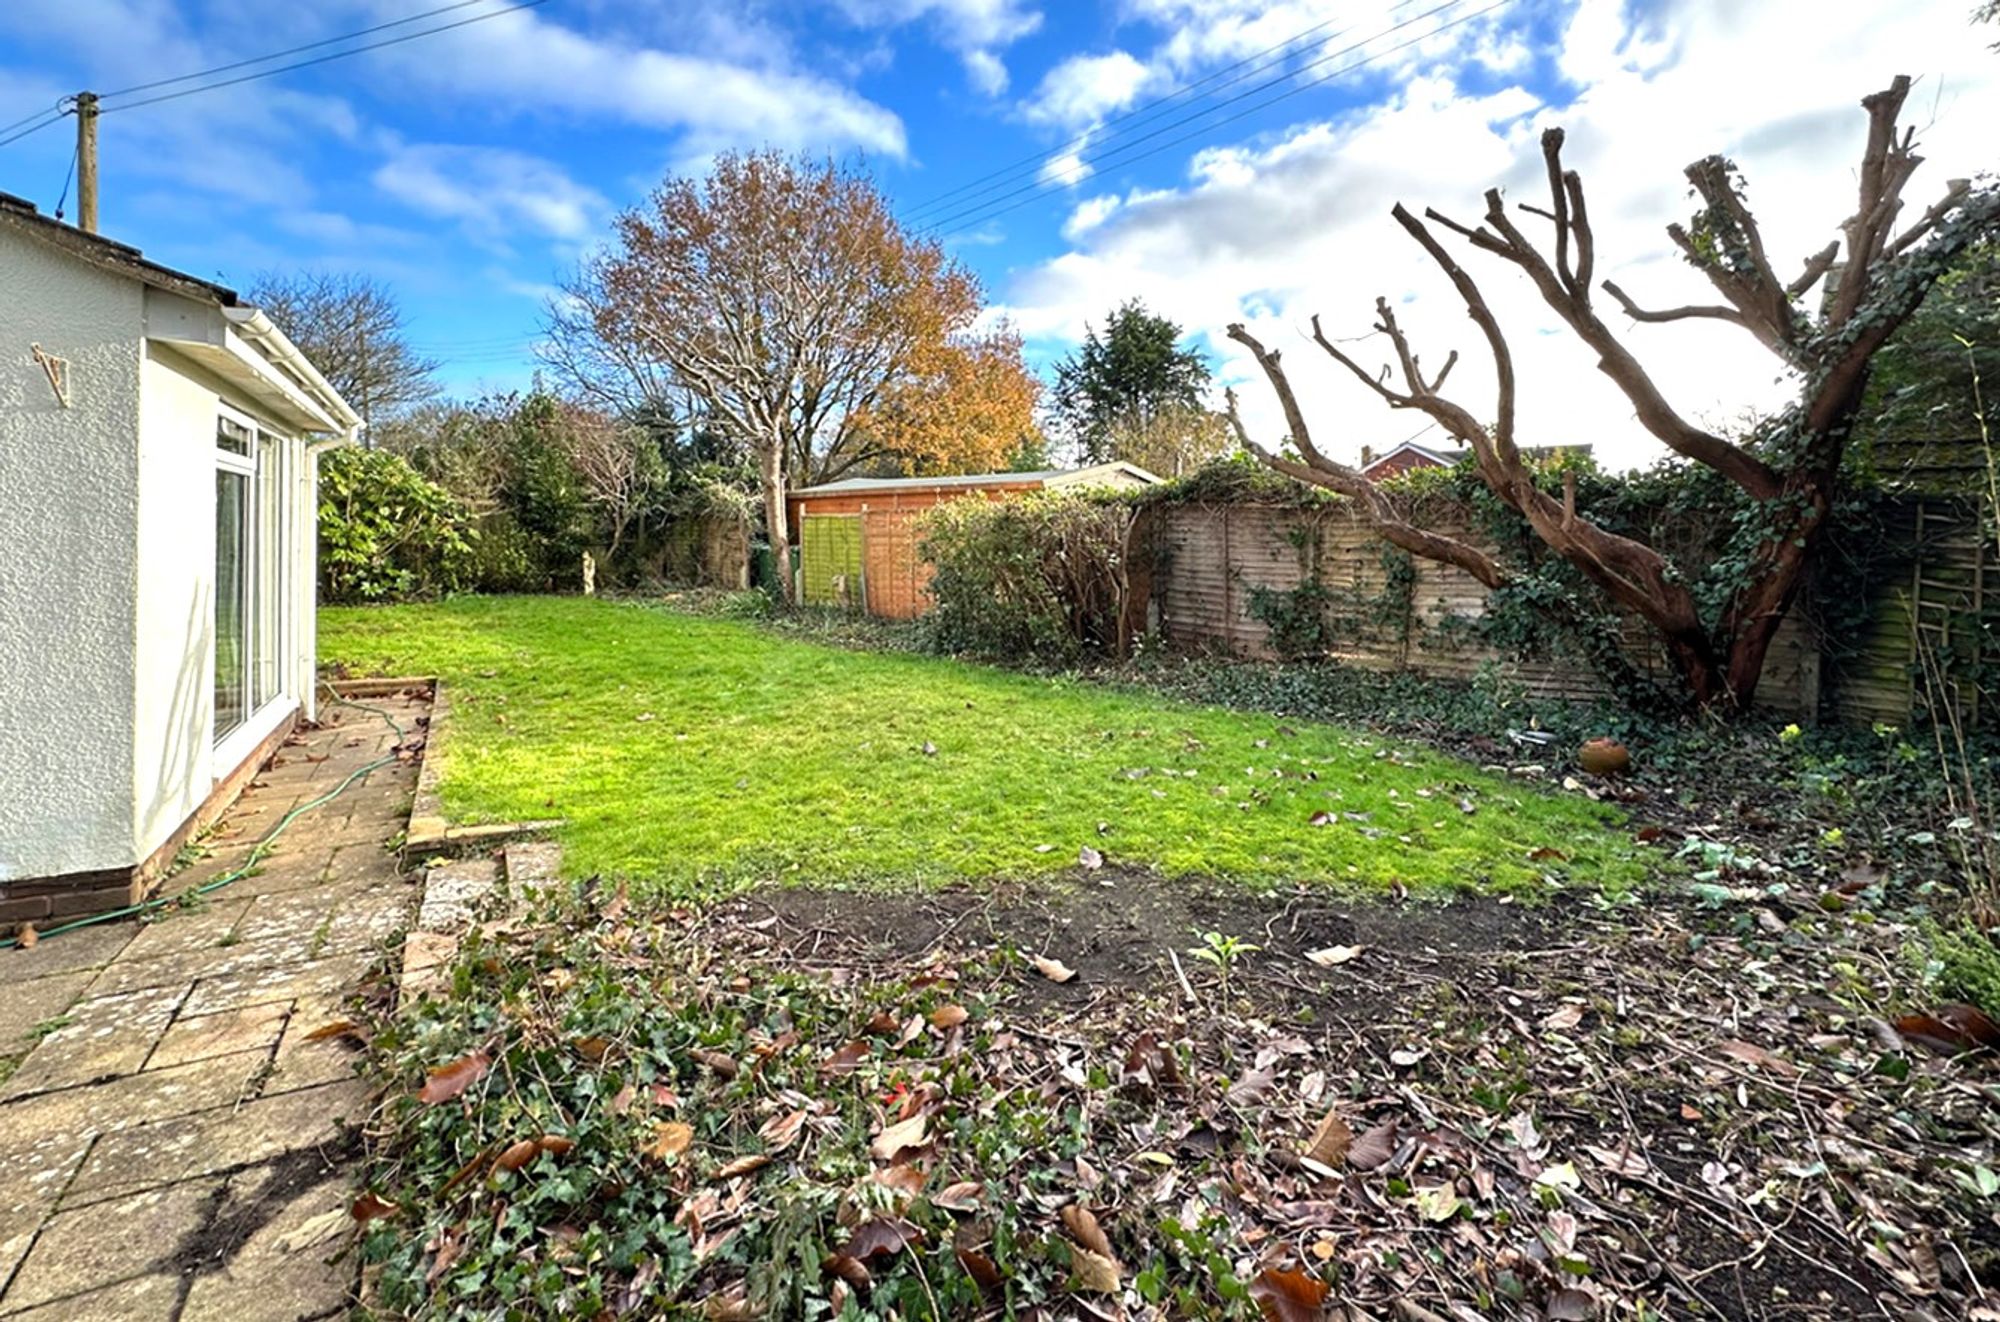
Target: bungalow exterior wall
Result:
[[108, 569]]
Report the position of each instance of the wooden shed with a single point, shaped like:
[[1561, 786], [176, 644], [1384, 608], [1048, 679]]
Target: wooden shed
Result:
[[858, 538]]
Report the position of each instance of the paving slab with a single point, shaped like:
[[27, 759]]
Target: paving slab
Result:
[[39, 1168], [27, 1007], [205, 925], [304, 1063], [104, 1036], [319, 1122], [151, 1298], [271, 1252], [84, 948], [281, 983], [199, 1037], [81, 1251], [134, 1099]]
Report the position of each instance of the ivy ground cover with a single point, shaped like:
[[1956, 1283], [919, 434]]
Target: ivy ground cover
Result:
[[692, 756]]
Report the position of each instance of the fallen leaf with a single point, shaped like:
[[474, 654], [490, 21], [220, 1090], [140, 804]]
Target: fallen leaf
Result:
[[1627, 1162], [1373, 1148], [1570, 1305], [1546, 853], [780, 1131], [1052, 969], [338, 1028], [731, 1304], [903, 1134], [448, 1081], [985, 1273], [517, 1155], [1330, 1141], [1083, 1228], [1321, 818], [883, 1022], [721, 1062], [847, 1059], [883, 1237], [592, 1048], [904, 1179], [27, 936], [1289, 1296], [848, 1268], [370, 1206], [1332, 955], [1095, 1273], [1437, 1202], [756, 1161], [960, 1197], [948, 1017], [1563, 1017], [1752, 1054], [670, 1139], [1250, 1088], [1952, 1029], [1089, 859]]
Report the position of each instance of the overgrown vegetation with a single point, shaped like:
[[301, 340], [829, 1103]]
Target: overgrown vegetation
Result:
[[1046, 576], [386, 532], [694, 755]]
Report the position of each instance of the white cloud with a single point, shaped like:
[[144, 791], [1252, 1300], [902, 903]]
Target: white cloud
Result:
[[1067, 167], [1083, 89], [523, 62], [976, 29], [491, 191], [987, 72], [1273, 231]]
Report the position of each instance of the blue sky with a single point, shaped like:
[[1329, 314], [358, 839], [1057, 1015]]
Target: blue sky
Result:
[[469, 169]]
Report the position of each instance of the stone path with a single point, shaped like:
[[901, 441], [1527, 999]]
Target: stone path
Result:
[[172, 1146]]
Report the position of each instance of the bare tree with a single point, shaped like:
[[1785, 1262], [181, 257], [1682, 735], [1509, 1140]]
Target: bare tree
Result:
[[608, 456], [1788, 476], [615, 373], [351, 327]]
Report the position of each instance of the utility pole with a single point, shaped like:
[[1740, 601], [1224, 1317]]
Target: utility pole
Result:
[[86, 162]]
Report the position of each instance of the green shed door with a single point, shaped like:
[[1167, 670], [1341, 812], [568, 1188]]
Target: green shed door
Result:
[[830, 559]]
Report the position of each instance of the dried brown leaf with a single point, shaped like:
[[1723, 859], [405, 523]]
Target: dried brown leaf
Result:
[[948, 1017], [881, 1237], [1331, 1141], [1083, 1228], [670, 1139], [1095, 1273], [370, 1206], [448, 1081], [338, 1028], [1284, 1295], [848, 1058], [756, 1161], [1052, 969], [960, 1197], [1373, 1148], [903, 1134]]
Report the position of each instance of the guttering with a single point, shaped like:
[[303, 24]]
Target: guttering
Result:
[[254, 326]]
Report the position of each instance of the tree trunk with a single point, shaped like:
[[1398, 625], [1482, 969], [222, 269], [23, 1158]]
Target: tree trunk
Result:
[[772, 463]]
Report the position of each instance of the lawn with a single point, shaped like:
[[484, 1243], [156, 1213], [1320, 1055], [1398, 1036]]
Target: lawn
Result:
[[692, 754]]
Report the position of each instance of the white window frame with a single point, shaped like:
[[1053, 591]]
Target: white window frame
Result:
[[266, 569]]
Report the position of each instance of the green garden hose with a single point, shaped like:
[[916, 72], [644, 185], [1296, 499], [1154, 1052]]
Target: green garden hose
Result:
[[257, 852]]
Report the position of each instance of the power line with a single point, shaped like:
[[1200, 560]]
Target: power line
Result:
[[979, 215], [1143, 113], [279, 55], [54, 118], [61, 104], [322, 59]]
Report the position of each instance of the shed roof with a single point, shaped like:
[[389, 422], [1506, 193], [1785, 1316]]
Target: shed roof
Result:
[[1041, 477]]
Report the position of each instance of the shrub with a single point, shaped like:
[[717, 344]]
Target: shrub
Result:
[[1042, 578], [385, 531]]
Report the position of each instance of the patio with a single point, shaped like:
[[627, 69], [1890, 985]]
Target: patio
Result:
[[176, 1138]]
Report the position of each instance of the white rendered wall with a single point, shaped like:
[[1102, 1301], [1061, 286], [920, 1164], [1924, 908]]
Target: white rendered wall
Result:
[[68, 564]]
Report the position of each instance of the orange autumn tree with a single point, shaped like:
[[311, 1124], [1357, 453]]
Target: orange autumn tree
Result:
[[964, 410], [782, 294]]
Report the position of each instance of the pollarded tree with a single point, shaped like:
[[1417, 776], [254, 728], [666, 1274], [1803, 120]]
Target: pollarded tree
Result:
[[784, 296], [1787, 475]]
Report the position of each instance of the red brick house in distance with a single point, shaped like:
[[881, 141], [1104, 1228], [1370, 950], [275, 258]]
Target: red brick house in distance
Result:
[[1409, 456]]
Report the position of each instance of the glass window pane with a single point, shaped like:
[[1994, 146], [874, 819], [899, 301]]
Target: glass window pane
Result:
[[232, 436], [232, 536], [269, 556]]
